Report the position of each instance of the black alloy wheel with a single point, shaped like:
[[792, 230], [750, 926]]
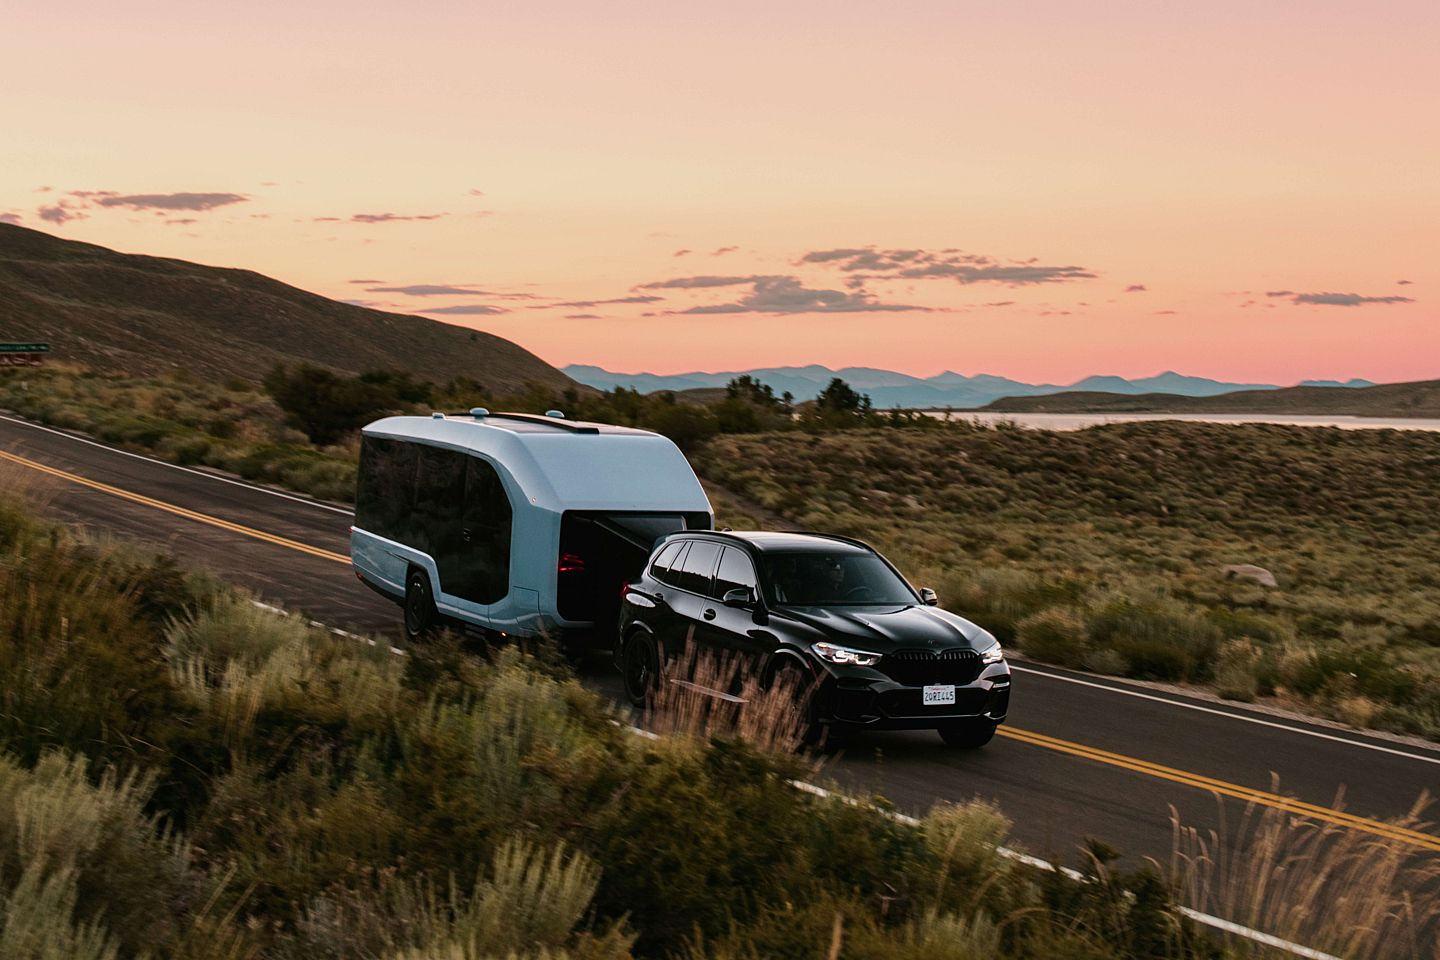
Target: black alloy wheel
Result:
[[420, 615], [827, 737], [968, 734], [641, 669]]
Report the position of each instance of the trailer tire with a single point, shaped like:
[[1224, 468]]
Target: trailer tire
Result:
[[421, 617]]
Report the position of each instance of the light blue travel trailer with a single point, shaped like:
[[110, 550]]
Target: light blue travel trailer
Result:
[[517, 524]]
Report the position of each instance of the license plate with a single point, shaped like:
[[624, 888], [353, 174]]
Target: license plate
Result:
[[938, 695]]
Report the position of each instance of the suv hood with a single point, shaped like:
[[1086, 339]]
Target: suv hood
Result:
[[884, 628]]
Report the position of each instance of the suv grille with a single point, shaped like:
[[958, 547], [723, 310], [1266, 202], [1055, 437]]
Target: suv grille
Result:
[[915, 668]]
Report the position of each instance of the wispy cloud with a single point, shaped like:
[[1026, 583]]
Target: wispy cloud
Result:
[[698, 283], [467, 310], [721, 251], [9, 218], [948, 264], [429, 290], [784, 295], [393, 217], [196, 202], [584, 304], [1136, 288], [60, 213], [681, 253], [1345, 299], [582, 316], [364, 281]]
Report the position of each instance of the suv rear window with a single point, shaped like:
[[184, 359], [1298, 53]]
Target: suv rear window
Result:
[[735, 571], [660, 569], [698, 566]]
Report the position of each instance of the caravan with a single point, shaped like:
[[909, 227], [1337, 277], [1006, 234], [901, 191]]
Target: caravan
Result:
[[518, 524]]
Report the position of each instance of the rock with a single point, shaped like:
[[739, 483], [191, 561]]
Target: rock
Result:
[[1248, 571]]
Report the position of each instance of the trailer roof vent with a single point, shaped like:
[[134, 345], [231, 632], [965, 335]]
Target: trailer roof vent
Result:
[[478, 412], [557, 414], [437, 415]]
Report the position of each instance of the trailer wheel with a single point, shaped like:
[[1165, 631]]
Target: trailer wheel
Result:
[[641, 668], [420, 615]]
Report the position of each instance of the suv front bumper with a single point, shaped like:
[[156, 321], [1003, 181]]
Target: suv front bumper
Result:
[[883, 703]]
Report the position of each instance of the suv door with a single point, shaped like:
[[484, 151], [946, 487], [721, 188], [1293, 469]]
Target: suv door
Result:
[[690, 598], [735, 630]]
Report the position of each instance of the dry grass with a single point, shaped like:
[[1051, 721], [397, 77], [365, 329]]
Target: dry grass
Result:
[[1352, 894], [706, 695]]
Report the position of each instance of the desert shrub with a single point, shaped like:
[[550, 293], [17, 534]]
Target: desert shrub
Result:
[[1157, 644], [1054, 636]]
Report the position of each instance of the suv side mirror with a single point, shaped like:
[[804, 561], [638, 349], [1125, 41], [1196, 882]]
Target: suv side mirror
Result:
[[927, 596], [739, 597]]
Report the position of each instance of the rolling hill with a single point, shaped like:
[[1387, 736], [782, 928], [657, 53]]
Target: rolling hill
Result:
[[1419, 398], [147, 315]]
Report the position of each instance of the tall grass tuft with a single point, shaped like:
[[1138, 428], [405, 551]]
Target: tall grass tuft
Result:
[[705, 695], [1352, 894]]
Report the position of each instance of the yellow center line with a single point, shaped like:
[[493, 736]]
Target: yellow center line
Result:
[[1275, 801], [178, 511], [1326, 814]]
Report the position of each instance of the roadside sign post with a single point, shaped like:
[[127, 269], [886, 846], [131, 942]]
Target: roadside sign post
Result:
[[23, 354]]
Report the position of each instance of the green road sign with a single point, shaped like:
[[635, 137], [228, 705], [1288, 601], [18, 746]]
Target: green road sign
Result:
[[24, 348]]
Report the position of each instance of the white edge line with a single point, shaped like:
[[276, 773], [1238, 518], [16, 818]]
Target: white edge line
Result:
[[1269, 940], [1233, 716], [176, 466], [905, 820]]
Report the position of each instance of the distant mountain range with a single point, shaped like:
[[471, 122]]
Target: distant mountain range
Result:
[[890, 389]]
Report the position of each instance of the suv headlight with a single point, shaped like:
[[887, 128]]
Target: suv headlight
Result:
[[993, 655], [834, 653]]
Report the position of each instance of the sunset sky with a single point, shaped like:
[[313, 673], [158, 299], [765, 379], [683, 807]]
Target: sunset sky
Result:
[[1045, 190]]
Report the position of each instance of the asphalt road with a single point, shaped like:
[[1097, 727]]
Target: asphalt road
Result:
[[1081, 756]]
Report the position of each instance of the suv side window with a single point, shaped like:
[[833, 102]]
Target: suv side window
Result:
[[671, 574], [735, 571], [660, 569], [698, 566]]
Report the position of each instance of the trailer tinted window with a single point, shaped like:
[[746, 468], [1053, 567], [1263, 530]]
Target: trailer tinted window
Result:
[[385, 488], [698, 566], [487, 524], [439, 501]]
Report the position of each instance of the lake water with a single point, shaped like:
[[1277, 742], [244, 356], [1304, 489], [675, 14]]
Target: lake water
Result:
[[1079, 421]]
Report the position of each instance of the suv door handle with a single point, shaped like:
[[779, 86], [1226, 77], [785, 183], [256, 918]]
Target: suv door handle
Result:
[[465, 532], [709, 613]]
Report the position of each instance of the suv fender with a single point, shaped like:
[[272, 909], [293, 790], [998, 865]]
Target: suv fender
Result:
[[786, 656]]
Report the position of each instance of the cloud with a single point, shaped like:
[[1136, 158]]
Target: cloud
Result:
[[583, 304], [196, 202], [789, 295], [9, 218], [393, 217], [697, 283], [60, 213], [949, 264], [1164, 313], [428, 290], [582, 316], [1345, 299], [1403, 283], [721, 251], [364, 281], [477, 193], [1279, 293], [1001, 303], [680, 253], [179, 223], [1135, 288], [467, 310]]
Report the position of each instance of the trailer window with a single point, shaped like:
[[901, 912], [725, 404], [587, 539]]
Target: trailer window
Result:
[[385, 489], [487, 523]]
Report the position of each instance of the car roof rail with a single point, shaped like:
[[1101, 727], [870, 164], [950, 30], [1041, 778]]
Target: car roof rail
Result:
[[834, 536]]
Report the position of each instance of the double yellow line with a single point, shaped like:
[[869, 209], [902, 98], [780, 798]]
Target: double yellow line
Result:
[[1339, 818], [177, 511]]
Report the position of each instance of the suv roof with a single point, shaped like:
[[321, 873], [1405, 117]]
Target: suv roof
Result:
[[771, 541]]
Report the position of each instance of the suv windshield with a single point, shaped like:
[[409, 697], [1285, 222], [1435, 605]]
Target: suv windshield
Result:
[[840, 579]]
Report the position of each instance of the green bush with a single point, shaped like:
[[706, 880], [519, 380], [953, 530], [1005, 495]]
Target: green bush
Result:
[[1055, 636]]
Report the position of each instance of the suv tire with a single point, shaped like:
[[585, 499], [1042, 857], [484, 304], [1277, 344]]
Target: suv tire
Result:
[[640, 667]]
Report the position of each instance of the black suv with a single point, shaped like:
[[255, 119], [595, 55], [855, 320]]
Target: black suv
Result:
[[869, 650]]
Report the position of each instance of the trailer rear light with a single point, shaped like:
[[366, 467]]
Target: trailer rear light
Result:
[[571, 563]]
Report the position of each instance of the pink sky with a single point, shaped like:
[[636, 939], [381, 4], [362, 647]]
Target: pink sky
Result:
[[564, 152]]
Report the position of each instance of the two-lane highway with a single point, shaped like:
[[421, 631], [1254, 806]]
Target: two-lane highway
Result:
[[1082, 756]]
